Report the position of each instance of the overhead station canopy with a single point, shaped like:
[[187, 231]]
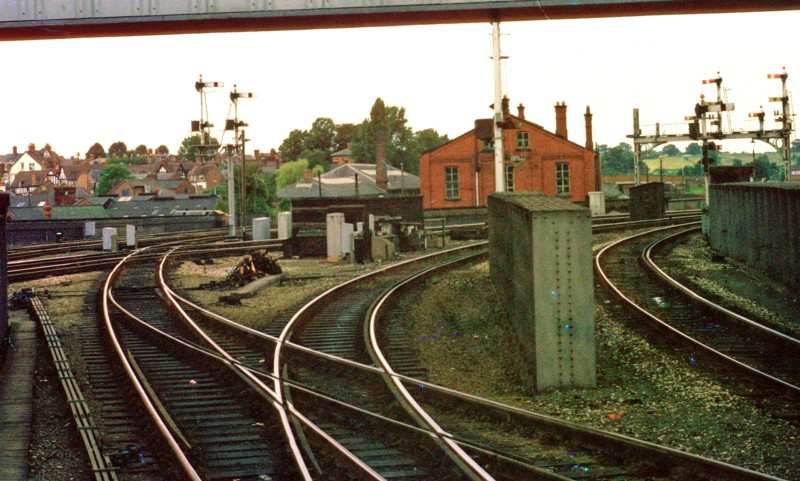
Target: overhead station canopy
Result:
[[41, 19]]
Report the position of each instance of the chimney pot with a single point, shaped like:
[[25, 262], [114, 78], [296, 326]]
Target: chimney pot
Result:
[[381, 176], [561, 120], [589, 140]]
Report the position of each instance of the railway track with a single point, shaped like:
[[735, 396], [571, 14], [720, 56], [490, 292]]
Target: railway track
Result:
[[213, 426], [746, 347], [476, 424], [305, 398], [210, 245]]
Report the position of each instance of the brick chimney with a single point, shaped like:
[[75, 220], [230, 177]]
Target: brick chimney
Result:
[[589, 140], [48, 210], [521, 111], [561, 120], [15, 150], [381, 176], [47, 148], [31, 147]]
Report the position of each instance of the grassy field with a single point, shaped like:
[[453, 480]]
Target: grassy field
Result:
[[676, 163]]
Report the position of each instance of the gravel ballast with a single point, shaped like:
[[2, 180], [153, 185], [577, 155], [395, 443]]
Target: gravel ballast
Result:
[[460, 331]]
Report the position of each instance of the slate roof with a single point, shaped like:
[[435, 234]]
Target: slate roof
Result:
[[146, 205], [26, 213], [340, 182], [77, 212], [33, 200]]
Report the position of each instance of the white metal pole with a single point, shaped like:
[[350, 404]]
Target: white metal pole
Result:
[[499, 185], [231, 195]]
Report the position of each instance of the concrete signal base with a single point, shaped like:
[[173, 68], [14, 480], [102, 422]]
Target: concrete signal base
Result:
[[540, 256]]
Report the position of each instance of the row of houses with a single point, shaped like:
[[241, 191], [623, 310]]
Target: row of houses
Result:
[[461, 173], [37, 169]]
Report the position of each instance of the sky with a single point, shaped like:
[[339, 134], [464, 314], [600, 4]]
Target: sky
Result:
[[140, 90]]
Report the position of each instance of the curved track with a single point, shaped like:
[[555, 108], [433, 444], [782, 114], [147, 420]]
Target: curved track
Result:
[[763, 355], [603, 454]]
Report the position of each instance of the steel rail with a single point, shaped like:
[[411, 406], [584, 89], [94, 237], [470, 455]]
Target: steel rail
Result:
[[178, 453], [728, 470], [656, 269], [230, 360], [647, 257], [283, 338], [720, 469], [453, 450], [759, 375]]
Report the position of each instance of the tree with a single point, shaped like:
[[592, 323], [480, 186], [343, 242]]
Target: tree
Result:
[[617, 160], [96, 151], [392, 121], [761, 165], [118, 149], [111, 176], [260, 191], [321, 135], [736, 162], [344, 134], [162, 149], [190, 148], [140, 150], [693, 170], [693, 149], [671, 151], [289, 173], [423, 141], [293, 146]]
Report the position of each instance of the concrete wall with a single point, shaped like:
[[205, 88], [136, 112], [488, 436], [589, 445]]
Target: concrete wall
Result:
[[540, 255], [758, 224]]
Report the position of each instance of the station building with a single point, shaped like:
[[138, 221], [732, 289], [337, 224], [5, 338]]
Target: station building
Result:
[[461, 173]]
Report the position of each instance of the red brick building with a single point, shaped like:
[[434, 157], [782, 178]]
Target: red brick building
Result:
[[461, 172]]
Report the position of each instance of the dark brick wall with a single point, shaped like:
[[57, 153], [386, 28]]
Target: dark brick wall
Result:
[[37, 231], [356, 209], [647, 201]]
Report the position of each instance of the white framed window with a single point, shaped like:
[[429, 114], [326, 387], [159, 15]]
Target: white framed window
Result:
[[509, 178], [451, 191], [488, 145], [523, 141], [562, 178]]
